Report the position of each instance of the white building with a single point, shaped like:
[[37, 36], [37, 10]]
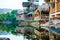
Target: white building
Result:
[[20, 15]]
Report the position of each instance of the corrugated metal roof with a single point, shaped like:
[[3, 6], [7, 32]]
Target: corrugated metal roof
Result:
[[30, 13]]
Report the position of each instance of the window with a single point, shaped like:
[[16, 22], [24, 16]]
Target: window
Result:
[[53, 4]]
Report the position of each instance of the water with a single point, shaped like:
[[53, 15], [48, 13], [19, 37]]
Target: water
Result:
[[56, 30], [8, 31], [13, 37]]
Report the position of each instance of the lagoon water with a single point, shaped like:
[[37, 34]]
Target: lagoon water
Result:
[[5, 32], [13, 37]]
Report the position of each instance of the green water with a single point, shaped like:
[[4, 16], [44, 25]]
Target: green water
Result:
[[8, 28]]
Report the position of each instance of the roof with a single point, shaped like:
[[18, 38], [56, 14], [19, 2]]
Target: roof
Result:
[[30, 13]]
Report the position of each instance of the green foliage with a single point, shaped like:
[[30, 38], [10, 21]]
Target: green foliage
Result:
[[8, 28], [14, 12], [9, 16]]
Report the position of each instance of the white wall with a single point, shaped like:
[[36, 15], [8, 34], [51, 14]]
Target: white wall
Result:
[[20, 17]]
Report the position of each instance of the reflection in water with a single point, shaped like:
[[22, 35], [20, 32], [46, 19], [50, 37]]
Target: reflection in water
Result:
[[13, 37], [9, 32], [7, 28], [4, 33]]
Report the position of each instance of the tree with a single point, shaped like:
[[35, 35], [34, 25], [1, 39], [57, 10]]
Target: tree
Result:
[[14, 12], [9, 16]]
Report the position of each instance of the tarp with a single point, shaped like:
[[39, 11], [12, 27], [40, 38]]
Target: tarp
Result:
[[30, 27], [53, 30], [31, 20]]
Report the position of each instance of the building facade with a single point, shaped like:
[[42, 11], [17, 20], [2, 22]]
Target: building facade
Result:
[[55, 9]]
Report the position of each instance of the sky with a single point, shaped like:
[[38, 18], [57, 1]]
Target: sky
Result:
[[40, 2], [13, 4]]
